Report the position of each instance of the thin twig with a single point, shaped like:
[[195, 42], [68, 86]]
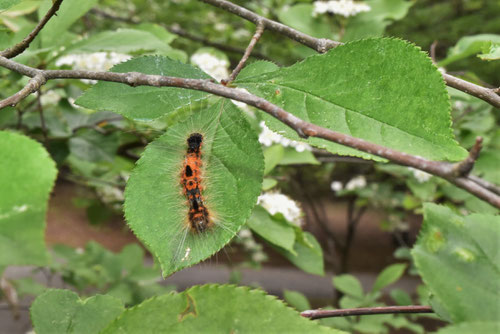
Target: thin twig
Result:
[[319, 314], [318, 44], [25, 43], [176, 29], [255, 38], [33, 85], [323, 45], [485, 184], [304, 129], [464, 167]]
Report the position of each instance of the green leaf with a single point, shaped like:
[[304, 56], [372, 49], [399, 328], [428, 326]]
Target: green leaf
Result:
[[27, 175], [144, 103], [297, 300], [374, 22], [388, 276], [62, 311], [348, 284], [293, 157], [458, 260], [68, 13], [232, 176], [275, 231], [268, 183], [471, 327], [300, 17], [469, 46], [6, 4], [214, 309], [121, 41], [160, 32], [307, 255], [92, 146], [389, 93], [272, 156], [493, 53], [401, 297]]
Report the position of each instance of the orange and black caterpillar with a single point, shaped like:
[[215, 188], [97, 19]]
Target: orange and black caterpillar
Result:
[[191, 182]]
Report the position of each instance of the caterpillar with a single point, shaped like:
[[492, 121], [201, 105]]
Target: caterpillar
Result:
[[191, 180]]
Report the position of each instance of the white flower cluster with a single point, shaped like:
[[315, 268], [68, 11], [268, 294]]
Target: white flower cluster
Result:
[[97, 61], [357, 182], [345, 8], [252, 247], [421, 176], [268, 137], [210, 64], [275, 202]]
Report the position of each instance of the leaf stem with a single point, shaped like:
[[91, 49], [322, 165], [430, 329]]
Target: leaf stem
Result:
[[319, 314]]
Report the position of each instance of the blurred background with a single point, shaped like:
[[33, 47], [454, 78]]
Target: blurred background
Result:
[[364, 215]]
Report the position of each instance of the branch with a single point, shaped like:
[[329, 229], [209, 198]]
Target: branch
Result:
[[318, 44], [464, 167], [322, 45], [319, 314], [255, 38], [304, 129], [33, 85], [25, 43]]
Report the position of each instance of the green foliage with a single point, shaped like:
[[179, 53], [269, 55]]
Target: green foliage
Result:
[[213, 308], [457, 258], [273, 229], [391, 74], [374, 22], [6, 4], [307, 254], [69, 12], [297, 300], [388, 276], [471, 327], [121, 275], [232, 169], [144, 103], [62, 311], [27, 175], [471, 45]]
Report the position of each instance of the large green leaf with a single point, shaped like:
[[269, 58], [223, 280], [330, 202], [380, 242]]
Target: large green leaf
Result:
[[144, 103], [27, 175], [62, 311], [68, 13], [382, 90], [214, 309], [232, 177], [458, 260]]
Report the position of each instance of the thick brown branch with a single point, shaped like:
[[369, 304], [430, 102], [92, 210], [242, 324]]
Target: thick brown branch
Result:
[[319, 314], [323, 45], [33, 85], [255, 38], [318, 44], [303, 128], [25, 43]]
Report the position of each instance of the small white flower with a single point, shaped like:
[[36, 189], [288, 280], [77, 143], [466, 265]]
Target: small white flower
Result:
[[244, 233], [20, 208], [421, 176], [268, 137], [210, 64], [219, 26], [279, 203], [249, 244], [355, 183], [241, 34], [336, 186], [79, 251], [345, 8], [259, 257], [50, 98]]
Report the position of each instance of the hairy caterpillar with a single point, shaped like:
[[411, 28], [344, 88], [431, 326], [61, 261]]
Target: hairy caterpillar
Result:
[[191, 180]]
